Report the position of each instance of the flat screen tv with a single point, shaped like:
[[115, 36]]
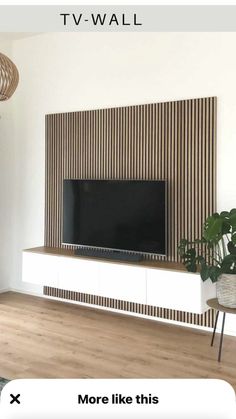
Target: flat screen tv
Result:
[[126, 215]]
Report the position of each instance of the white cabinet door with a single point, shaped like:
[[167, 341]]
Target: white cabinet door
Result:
[[78, 275], [174, 290], [40, 269], [123, 282]]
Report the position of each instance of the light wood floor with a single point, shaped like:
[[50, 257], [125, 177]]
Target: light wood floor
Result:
[[42, 338]]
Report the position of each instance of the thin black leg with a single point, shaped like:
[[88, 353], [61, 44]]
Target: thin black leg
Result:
[[221, 337], [214, 331]]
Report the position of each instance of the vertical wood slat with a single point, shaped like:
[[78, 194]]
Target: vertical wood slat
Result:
[[206, 319], [175, 141]]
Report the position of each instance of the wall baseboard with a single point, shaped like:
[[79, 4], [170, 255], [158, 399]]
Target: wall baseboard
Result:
[[2, 290], [19, 291]]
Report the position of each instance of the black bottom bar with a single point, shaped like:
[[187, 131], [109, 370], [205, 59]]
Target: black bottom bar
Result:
[[108, 254]]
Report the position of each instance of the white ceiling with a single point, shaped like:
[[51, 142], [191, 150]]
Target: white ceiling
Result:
[[12, 36]]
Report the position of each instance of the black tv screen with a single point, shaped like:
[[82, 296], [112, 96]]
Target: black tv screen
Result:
[[122, 215]]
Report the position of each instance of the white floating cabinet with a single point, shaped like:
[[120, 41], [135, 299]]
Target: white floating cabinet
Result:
[[141, 283]]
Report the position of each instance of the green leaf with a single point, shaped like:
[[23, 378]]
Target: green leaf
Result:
[[228, 264], [191, 267], [233, 238], [229, 258], [226, 227], [205, 272], [215, 272], [232, 219], [212, 272], [231, 248], [191, 253], [225, 214], [213, 228], [188, 256]]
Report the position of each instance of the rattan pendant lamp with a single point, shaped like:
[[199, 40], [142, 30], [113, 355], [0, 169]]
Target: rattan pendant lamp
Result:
[[9, 77]]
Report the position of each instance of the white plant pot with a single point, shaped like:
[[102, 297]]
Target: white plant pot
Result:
[[226, 290]]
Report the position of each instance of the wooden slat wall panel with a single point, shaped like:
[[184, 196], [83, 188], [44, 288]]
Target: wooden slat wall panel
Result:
[[175, 141], [206, 319]]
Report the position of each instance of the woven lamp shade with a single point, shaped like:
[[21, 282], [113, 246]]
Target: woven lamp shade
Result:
[[9, 77]]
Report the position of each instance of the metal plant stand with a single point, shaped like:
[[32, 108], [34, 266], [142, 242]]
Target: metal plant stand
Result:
[[213, 303]]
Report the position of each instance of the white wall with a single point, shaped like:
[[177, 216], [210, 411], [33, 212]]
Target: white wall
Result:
[[6, 185], [61, 72]]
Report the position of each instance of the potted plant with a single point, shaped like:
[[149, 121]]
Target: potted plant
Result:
[[214, 255]]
